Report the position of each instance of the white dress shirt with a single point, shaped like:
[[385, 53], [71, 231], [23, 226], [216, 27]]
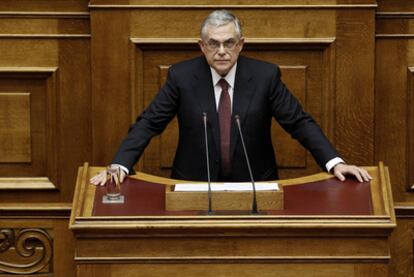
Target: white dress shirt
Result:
[[230, 77]]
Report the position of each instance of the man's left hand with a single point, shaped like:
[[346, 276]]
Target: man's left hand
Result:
[[340, 170]]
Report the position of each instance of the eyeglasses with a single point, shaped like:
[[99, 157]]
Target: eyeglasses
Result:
[[214, 45]]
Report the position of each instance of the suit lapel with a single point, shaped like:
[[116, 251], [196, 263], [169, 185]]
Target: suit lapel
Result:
[[204, 90], [243, 91]]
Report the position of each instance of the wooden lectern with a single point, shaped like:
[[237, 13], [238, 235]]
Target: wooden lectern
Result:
[[327, 228]]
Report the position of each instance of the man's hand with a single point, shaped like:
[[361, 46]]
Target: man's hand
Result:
[[340, 170], [101, 177]]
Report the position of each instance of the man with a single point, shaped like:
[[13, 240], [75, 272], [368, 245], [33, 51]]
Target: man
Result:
[[224, 85]]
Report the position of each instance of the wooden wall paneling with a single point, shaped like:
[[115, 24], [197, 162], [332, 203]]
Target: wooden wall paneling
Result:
[[74, 122], [291, 154], [328, 96], [169, 138], [264, 22], [402, 242], [410, 115], [394, 120], [390, 110], [45, 52], [410, 130], [41, 127], [233, 269], [64, 6], [395, 46], [252, 4], [395, 6], [94, 271], [354, 106], [111, 92], [15, 127]]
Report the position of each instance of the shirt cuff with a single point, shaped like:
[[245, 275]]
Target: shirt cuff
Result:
[[122, 167], [331, 163]]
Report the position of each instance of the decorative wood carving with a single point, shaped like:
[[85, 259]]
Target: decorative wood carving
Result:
[[33, 246], [8, 240]]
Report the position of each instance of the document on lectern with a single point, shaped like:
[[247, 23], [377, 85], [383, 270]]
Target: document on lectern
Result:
[[226, 186]]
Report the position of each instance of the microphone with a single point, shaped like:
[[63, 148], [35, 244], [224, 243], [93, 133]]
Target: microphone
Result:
[[254, 205], [210, 211]]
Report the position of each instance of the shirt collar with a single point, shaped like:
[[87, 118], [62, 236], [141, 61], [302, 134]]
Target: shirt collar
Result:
[[230, 77]]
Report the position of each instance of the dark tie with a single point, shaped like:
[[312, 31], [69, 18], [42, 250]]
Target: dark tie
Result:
[[224, 111]]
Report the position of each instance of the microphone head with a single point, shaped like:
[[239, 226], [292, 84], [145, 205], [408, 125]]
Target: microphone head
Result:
[[237, 117]]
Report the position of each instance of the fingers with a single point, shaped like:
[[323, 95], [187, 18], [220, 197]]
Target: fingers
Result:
[[339, 175], [99, 179], [102, 180], [365, 175], [122, 176], [359, 173]]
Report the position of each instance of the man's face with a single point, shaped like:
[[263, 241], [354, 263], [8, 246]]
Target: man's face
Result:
[[222, 47]]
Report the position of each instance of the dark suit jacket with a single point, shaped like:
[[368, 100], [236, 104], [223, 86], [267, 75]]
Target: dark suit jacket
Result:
[[259, 96]]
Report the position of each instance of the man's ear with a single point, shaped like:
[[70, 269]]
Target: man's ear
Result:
[[201, 44], [241, 43]]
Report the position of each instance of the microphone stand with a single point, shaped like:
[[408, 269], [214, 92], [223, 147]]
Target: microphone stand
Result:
[[210, 211], [254, 205]]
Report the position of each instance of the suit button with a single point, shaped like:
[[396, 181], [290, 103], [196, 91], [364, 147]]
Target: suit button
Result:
[[217, 161]]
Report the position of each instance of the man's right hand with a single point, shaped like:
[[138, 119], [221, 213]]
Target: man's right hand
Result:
[[100, 178]]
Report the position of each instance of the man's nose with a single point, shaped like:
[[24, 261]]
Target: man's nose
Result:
[[222, 51]]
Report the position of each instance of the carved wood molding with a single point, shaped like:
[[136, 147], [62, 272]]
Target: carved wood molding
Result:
[[46, 36], [390, 36], [49, 180], [35, 210], [30, 14], [404, 209], [188, 40], [32, 245], [394, 15], [410, 129], [250, 43], [229, 6], [234, 259]]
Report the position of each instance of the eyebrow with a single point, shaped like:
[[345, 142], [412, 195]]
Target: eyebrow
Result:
[[228, 40]]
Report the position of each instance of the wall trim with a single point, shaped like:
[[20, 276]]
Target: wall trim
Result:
[[72, 15], [333, 6], [34, 210]]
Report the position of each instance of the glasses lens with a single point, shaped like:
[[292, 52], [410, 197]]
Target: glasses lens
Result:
[[214, 44]]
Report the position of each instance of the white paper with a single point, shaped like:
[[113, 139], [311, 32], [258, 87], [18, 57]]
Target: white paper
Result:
[[226, 186]]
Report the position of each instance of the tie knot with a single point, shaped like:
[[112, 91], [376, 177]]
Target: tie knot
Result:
[[224, 85]]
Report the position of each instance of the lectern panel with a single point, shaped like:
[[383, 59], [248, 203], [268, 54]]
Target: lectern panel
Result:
[[327, 197]]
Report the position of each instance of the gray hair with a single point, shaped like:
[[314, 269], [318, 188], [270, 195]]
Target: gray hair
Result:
[[220, 18]]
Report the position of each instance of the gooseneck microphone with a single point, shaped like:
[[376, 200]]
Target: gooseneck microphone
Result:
[[210, 211], [254, 205]]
